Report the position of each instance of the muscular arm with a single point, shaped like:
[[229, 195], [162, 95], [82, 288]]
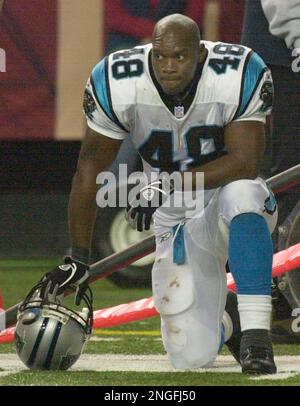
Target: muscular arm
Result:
[[96, 154], [245, 145]]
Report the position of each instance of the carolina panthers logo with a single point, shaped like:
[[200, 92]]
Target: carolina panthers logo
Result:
[[89, 104], [19, 343], [266, 95]]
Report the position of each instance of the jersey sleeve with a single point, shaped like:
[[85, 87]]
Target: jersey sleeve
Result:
[[256, 91], [97, 105], [284, 20]]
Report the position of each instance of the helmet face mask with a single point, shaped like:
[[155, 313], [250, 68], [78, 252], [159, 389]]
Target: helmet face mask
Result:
[[49, 336]]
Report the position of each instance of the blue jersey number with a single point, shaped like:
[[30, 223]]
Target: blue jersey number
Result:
[[220, 65], [158, 150]]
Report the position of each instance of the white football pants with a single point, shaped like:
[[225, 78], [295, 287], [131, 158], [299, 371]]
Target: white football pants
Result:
[[191, 297]]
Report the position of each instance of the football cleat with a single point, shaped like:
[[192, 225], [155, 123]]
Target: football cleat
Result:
[[234, 341], [257, 357]]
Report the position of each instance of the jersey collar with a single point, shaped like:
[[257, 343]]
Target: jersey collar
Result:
[[179, 104]]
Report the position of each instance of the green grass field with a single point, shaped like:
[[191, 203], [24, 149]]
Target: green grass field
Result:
[[138, 339]]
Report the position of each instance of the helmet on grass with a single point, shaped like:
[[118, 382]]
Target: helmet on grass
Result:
[[49, 336]]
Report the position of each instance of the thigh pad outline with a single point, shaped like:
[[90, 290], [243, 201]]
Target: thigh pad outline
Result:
[[173, 288]]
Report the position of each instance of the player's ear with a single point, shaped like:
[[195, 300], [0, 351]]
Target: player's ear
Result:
[[202, 52]]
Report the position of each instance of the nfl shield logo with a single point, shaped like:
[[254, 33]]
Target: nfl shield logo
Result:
[[179, 111]]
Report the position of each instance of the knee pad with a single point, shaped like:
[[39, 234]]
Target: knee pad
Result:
[[189, 344], [248, 196]]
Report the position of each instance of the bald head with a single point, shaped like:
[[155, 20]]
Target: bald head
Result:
[[179, 25], [176, 52]]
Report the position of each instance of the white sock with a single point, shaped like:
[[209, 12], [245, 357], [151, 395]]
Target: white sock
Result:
[[255, 311]]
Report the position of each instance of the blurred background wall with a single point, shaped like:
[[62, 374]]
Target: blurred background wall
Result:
[[51, 46]]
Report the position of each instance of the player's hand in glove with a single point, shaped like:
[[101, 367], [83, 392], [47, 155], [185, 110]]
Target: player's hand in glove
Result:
[[73, 274], [140, 210]]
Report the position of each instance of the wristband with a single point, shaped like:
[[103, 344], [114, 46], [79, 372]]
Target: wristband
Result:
[[80, 254]]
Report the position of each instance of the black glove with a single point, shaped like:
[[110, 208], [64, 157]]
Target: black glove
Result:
[[72, 274], [140, 210]]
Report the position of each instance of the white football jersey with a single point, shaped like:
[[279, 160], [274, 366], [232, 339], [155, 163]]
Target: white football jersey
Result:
[[122, 98]]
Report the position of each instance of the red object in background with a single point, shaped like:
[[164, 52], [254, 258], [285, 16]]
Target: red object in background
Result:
[[118, 19], [27, 88], [283, 261], [231, 20]]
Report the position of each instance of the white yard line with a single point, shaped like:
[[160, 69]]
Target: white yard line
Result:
[[287, 365], [10, 364]]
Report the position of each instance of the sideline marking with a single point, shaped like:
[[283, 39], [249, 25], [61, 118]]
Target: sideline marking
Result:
[[288, 366]]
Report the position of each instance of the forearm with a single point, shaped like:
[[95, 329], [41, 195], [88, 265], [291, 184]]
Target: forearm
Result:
[[244, 143], [82, 207], [223, 170]]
